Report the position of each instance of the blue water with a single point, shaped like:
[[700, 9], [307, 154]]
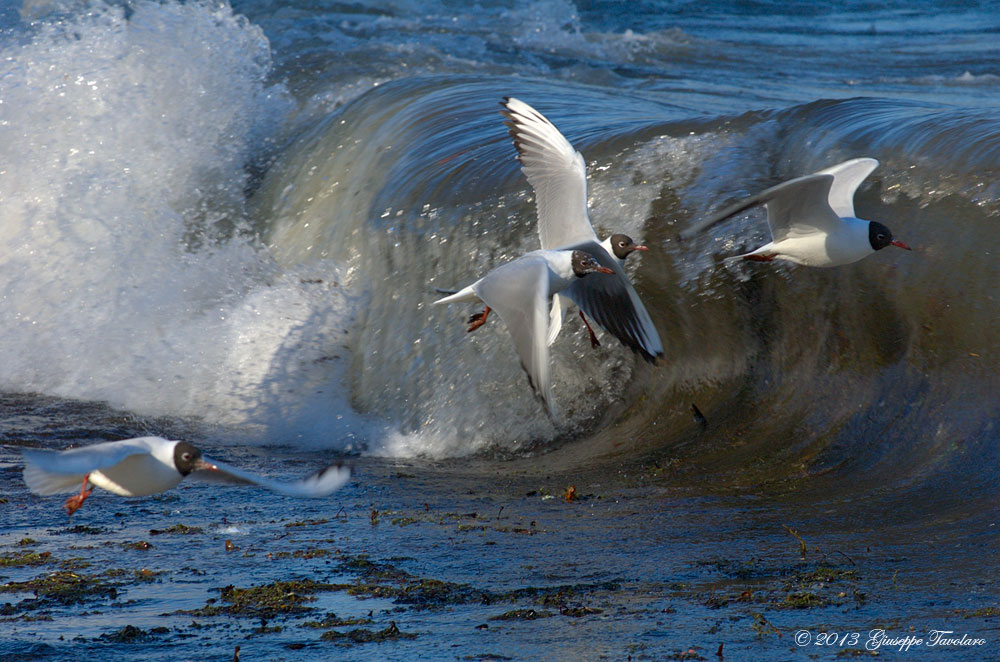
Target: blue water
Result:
[[227, 222]]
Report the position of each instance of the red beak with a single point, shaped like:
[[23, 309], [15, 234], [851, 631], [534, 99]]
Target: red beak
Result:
[[203, 465], [899, 244], [640, 247], [605, 270]]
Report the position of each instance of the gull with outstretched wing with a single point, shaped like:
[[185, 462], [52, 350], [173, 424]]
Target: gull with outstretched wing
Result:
[[150, 465]]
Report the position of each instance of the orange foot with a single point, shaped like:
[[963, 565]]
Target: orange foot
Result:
[[593, 337], [478, 320], [74, 502]]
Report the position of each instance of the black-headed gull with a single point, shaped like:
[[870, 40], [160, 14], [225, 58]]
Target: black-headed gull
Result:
[[812, 219], [520, 292], [558, 175], [149, 465]]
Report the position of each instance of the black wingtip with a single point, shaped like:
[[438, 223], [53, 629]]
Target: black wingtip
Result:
[[546, 405], [699, 418], [651, 359]]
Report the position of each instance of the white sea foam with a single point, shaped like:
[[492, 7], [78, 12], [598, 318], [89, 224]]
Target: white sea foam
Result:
[[129, 271]]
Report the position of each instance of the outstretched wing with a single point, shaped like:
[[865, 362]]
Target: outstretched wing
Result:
[[555, 171], [518, 291], [52, 472], [799, 205], [847, 177], [320, 484], [614, 304]]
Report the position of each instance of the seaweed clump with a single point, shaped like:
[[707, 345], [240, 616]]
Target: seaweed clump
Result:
[[522, 615], [26, 558], [334, 621], [363, 636], [130, 634], [177, 529], [64, 587], [264, 602]]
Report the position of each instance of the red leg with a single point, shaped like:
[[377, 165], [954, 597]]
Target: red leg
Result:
[[759, 258], [74, 502], [593, 338], [478, 320]]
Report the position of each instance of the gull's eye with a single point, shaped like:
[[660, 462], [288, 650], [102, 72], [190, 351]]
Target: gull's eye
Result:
[[881, 236], [186, 456]]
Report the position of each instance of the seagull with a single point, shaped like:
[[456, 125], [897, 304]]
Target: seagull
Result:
[[558, 175], [812, 219], [520, 292], [149, 465]]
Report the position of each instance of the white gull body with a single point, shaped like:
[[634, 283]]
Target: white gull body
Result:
[[812, 219], [150, 465]]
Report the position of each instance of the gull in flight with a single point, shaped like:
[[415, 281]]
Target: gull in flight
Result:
[[149, 465], [520, 291], [558, 175], [812, 219]]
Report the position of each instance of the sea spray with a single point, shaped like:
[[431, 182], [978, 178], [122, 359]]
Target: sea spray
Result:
[[131, 271]]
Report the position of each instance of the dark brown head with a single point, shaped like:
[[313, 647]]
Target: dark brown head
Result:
[[880, 236], [622, 246], [584, 263], [186, 458]]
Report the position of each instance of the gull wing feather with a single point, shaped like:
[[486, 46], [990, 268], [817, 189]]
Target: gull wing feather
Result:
[[723, 214], [847, 177], [559, 303], [614, 304], [52, 472], [320, 484], [798, 206], [555, 171], [519, 291]]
